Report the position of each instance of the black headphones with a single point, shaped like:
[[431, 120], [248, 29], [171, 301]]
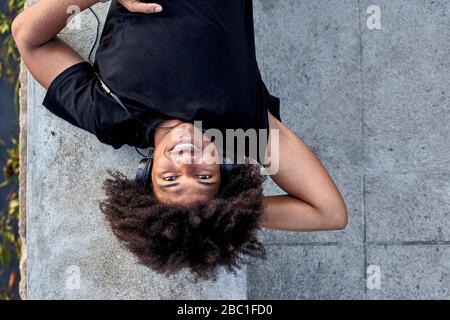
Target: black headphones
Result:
[[144, 170]]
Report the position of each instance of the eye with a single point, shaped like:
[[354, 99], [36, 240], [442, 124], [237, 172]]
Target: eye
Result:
[[203, 176], [170, 178]]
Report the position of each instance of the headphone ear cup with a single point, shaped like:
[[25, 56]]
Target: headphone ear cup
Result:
[[229, 167], [144, 170], [148, 172], [141, 173]]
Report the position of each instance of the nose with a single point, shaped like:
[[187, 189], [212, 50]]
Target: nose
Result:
[[187, 165], [187, 155]]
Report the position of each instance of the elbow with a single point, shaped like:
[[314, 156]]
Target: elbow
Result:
[[335, 219], [341, 221], [16, 27], [18, 33]]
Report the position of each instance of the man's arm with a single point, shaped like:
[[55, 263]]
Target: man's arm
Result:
[[312, 202], [35, 33]]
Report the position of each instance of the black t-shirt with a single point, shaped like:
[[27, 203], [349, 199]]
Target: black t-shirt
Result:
[[195, 60]]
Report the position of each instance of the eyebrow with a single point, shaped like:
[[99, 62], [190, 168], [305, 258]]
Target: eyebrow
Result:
[[206, 183], [168, 185], [171, 185]]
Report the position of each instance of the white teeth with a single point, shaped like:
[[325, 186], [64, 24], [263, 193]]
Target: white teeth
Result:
[[185, 147]]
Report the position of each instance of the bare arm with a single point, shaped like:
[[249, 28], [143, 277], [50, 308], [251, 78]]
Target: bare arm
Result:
[[313, 201], [35, 33]]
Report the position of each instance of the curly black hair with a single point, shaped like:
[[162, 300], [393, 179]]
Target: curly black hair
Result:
[[202, 238]]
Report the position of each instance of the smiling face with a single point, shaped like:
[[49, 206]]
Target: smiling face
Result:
[[185, 164]]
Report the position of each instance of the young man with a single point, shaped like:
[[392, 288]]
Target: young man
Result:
[[171, 64]]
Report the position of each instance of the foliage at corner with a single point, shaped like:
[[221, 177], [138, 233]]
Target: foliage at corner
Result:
[[9, 239], [9, 54]]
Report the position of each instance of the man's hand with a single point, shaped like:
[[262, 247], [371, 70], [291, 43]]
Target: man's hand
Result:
[[138, 6]]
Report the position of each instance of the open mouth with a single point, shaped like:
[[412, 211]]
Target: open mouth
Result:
[[186, 144]]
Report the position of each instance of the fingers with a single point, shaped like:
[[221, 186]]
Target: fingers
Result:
[[137, 6]]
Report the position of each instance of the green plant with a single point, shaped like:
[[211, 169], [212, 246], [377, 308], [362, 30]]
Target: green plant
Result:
[[9, 53], [9, 239], [10, 57]]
